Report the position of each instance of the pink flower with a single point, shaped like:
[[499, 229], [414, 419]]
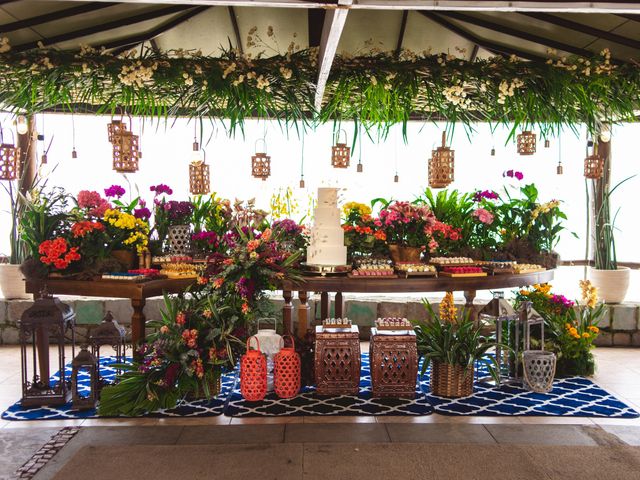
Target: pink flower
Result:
[[483, 215], [89, 199]]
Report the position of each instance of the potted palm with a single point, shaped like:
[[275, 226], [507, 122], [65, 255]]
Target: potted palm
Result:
[[452, 345]]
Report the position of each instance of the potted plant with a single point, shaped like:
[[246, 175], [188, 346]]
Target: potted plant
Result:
[[452, 345], [611, 280], [178, 215]]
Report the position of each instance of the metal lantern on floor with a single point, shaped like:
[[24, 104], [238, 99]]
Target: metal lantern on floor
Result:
[[9, 158], [126, 148], [253, 373], [526, 143], [441, 166], [340, 152], [108, 333], [593, 165], [287, 370], [84, 365], [43, 324], [261, 162]]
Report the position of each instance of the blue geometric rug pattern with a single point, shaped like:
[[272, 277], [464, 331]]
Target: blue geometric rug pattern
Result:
[[199, 408], [307, 403]]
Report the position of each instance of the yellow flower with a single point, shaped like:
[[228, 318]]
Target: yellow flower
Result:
[[360, 208], [585, 335], [448, 311], [524, 292], [573, 331], [594, 329]]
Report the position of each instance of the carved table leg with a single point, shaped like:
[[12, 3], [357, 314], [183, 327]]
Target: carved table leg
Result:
[[469, 296], [303, 314], [339, 304], [287, 312], [325, 305], [138, 333]]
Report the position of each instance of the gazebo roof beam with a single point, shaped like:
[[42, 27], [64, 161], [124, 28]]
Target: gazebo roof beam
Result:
[[334, 21], [513, 32], [53, 16], [236, 29], [403, 27], [104, 27]]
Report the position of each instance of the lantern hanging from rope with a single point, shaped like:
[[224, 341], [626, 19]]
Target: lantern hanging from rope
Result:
[[526, 143], [199, 177], [287, 370], [261, 162], [441, 166], [340, 153], [593, 164], [126, 148], [253, 373], [9, 158]]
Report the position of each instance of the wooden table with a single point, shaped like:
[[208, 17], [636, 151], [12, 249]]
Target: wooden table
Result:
[[138, 292], [341, 284]]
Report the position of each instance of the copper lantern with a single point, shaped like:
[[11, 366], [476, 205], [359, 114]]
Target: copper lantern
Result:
[[109, 333], [441, 166], [9, 159], [126, 147], [594, 165], [261, 162], [44, 323], [340, 153], [199, 176], [84, 397], [526, 143]]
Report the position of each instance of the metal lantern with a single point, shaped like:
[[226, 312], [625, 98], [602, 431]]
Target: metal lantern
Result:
[[593, 165], [441, 165], [559, 169], [126, 147], [199, 177], [547, 143], [46, 322], [108, 333], [261, 162], [287, 371], [9, 159], [84, 365], [527, 143], [340, 153], [253, 373]]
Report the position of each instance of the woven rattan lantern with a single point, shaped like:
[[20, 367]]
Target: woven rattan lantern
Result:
[[126, 147], [594, 165], [9, 159], [287, 371], [441, 165], [199, 181], [253, 373], [261, 162], [527, 143], [340, 153]]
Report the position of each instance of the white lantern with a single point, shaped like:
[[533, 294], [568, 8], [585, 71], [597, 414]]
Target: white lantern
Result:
[[270, 345]]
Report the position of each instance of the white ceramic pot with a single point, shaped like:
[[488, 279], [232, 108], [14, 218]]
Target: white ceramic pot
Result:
[[12, 282], [612, 284]]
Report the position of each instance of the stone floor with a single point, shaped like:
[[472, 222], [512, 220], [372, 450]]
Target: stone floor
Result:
[[618, 372]]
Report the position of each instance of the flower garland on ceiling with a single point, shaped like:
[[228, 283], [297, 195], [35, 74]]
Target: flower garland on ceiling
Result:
[[378, 88]]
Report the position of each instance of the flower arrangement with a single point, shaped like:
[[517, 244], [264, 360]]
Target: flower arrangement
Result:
[[362, 233], [92, 204], [407, 224], [126, 231], [58, 253], [293, 237], [178, 212]]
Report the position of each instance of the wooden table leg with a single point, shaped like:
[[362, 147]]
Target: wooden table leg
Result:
[[469, 296], [339, 305], [303, 314], [325, 305], [287, 312], [138, 333]]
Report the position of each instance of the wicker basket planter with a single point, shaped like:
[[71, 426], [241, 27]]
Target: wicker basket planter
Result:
[[404, 254], [450, 381]]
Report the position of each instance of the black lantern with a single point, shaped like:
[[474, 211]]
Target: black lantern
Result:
[[84, 364], [111, 334], [43, 324], [500, 312]]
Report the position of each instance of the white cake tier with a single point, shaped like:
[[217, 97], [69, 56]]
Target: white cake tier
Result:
[[326, 236], [326, 216], [327, 197], [327, 255]]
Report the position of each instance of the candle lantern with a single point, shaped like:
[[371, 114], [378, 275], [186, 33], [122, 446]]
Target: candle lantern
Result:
[[270, 345], [9, 159], [593, 165], [253, 373], [199, 178], [126, 147], [441, 167], [43, 324], [340, 153], [108, 333], [84, 397], [526, 143], [287, 371], [261, 162]]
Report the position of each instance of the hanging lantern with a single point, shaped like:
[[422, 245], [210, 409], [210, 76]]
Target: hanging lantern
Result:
[[114, 128], [74, 153], [359, 169], [396, 178], [340, 153], [527, 143], [126, 148], [45, 323], [9, 159], [593, 165], [559, 169], [441, 165], [287, 371], [111, 334], [253, 373], [261, 162], [199, 182], [493, 151], [547, 143], [22, 124], [43, 159], [84, 365], [301, 182]]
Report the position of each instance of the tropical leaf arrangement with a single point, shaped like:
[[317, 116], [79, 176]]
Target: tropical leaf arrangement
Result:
[[378, 89]]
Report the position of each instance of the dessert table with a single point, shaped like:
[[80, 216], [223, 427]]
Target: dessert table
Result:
[[326, 285]]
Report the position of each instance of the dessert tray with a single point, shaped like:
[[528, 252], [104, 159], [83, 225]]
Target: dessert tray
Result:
[[393, 325], [415, 270], [336, 324], [325, 270], [131, 276], [461, 272], [528, 268]]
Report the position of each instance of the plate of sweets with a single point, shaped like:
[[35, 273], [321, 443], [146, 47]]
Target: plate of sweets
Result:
[[451, 261], [528, 268], [373, 269], [388, 326], [180, 270], [461, 272], [336, 324], [499, 267], [163, 259], [408, 269], [124, 277]]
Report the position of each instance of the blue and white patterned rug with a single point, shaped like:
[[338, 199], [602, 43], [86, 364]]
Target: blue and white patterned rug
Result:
[[308, 403], [200, 408]]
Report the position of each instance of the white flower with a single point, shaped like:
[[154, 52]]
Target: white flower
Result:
[[4, 45]]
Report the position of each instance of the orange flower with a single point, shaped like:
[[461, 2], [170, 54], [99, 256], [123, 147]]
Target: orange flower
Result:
[[380, 235], [202, 281], [181, 318], [190, 337], [245, 308], [218, 282]]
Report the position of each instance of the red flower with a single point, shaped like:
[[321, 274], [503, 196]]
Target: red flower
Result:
[[181, 318], [80, 229]]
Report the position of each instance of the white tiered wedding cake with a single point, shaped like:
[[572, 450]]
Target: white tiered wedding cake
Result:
[[326, 247]]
